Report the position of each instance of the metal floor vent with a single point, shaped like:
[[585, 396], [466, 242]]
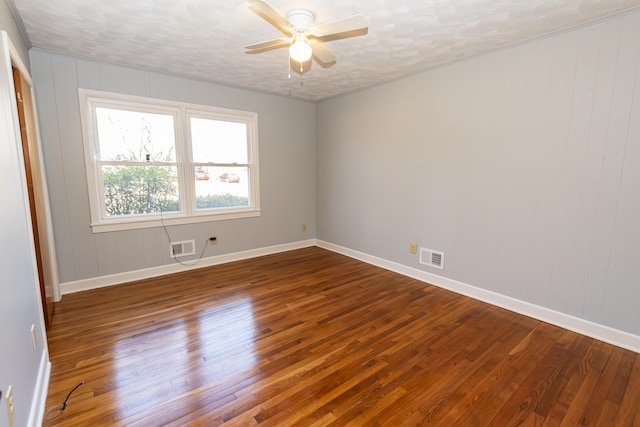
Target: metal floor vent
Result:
[[183, 248], [432, 258]]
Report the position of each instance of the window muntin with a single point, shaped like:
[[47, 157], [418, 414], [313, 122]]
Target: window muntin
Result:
[[152, 161]]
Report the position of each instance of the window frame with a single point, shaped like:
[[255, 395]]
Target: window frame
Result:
[[182, 113]]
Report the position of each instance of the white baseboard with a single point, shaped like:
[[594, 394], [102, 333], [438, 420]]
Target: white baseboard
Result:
[[563, 320], [40, 393], [585, 327], [147, 273]]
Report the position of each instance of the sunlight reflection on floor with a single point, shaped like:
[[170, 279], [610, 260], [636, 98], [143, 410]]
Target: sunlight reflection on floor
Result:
[[222, 333]]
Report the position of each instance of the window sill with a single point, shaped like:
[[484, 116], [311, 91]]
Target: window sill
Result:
[[120, 225]]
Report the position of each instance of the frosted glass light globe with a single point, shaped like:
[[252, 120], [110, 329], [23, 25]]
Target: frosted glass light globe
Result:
[[300, 51]]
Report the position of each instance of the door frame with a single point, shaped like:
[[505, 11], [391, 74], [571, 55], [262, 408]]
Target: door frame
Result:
[[52, 266]]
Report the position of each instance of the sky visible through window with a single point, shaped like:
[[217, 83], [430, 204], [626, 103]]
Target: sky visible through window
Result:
[[218, 141], [131, 135]]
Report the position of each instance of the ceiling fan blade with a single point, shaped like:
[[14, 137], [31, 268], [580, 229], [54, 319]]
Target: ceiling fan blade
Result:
[[322, 55], [272, 16], [352, 23], [270, 44]]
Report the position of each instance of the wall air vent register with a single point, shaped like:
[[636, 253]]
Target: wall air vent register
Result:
[[432, 258]]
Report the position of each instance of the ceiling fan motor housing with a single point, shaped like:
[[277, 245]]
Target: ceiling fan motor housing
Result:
[[301, 18]]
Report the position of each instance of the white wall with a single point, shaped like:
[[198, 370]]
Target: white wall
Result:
[[523, 166], [20, 366], [287, 168], [9, 24]]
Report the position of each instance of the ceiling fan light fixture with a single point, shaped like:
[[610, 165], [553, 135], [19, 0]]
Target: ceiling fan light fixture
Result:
[[299, 29], [300, 50]]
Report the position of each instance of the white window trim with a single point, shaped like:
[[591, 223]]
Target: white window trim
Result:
[[182, 112]]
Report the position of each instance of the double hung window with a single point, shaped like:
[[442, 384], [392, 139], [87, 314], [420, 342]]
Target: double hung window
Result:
[[151, 162]]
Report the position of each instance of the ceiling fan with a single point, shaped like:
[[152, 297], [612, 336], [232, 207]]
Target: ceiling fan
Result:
[[304, 39]]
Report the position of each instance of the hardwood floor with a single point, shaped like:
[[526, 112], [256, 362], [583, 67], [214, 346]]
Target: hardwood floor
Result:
[[311, 337]]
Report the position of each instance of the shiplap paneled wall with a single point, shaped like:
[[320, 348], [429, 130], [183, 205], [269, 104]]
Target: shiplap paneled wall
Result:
[[287, 168], [523, 166], [22, 366]]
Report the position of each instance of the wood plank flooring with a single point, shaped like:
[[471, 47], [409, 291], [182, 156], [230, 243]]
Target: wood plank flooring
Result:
[[313, 338]]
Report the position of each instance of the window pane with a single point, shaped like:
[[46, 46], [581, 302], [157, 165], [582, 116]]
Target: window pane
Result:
[[221, 187], [135, 136], [134, 190], [216, 141]]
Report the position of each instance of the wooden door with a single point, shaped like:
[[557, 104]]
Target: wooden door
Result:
[[33, 172]]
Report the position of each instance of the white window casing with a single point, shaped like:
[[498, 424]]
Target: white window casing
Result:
[[184, 164]]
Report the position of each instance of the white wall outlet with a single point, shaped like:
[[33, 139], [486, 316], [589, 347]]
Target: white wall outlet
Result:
[[9, 401], [34, 339], [304, 226], [413, 248], [213, 239]]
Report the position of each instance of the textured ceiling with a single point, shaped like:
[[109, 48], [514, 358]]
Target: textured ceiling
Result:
[[205, 39]]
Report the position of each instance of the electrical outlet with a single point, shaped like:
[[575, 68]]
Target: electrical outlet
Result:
[[34, 339], [413, 248], [213, 240], [304, 226], [9, 401]]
